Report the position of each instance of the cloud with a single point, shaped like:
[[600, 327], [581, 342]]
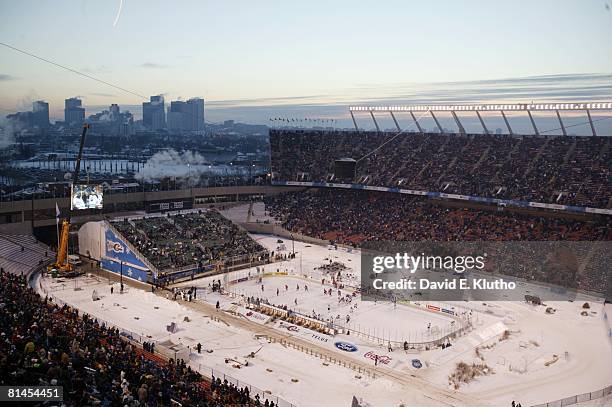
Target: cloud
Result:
[[153, 65], [5, 77]]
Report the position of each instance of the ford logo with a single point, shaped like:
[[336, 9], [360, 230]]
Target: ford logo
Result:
[[345, 346]]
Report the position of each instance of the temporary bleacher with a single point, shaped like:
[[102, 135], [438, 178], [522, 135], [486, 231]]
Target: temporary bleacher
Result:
[[22, 253]]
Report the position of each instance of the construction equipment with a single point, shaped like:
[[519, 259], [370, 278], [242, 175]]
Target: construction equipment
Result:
[[62, 264]]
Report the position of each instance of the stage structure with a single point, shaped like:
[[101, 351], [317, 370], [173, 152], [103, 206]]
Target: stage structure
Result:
[[478, 108]]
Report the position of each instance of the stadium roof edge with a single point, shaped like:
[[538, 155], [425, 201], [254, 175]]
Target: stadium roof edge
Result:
[[487, 107]]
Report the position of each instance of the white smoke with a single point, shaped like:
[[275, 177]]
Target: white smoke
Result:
[[173, 164], [188, 166], [8, 129]]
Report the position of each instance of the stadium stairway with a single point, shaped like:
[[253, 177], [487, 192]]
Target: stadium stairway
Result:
[[22, 253]]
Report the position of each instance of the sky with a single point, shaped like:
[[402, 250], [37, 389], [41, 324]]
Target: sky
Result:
[[252, 60]]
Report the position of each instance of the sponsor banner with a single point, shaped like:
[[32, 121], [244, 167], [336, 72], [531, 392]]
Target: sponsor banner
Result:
[[169, 206], [304, 332], [114, 246], [345, 346], [255, 316], [289, 327], [448, 311], [433, 308], [321, 337], [384, 359], [433, 194]]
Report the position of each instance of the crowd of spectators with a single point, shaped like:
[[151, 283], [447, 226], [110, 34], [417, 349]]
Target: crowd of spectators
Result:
[[354, 217], [568, 170], [195, 238], [42, 343]]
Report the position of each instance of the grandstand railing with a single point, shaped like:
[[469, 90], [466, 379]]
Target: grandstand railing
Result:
[[253, 391], [578, 398], [431, 194], [463, 327]]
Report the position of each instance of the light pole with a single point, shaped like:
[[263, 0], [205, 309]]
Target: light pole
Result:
[[121, 276], [292, 245]]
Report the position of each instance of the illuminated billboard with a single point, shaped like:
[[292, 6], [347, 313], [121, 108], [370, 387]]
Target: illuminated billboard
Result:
[[85, 196]]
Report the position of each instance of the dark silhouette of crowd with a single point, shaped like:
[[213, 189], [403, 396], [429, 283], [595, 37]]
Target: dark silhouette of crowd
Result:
[[42, 343], [188, 239], [567, 170]]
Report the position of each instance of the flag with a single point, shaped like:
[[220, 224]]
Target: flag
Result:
[[57, 213]]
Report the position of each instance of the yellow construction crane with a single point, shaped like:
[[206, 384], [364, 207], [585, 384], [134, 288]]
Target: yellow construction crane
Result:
[[61, 261]]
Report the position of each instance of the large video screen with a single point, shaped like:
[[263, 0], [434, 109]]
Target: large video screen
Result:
[[85, 196]]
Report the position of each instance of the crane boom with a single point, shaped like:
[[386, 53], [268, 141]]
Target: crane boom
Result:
[[77, 167], [61, 261]]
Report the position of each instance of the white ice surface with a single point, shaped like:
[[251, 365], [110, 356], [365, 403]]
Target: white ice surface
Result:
[[586, 340]]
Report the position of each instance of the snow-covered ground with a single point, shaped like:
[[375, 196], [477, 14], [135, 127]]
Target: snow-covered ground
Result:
[[240, 213], [545, 357]]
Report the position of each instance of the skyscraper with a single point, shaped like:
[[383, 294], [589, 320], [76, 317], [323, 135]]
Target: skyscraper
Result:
[[40, 114], [178, 116], [154, 114], [186, 116], [196, 114], [74, 114]]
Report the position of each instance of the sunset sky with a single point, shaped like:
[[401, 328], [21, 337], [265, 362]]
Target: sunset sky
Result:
[[254, 60]]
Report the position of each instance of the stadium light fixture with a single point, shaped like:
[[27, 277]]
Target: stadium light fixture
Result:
[[486, 107]]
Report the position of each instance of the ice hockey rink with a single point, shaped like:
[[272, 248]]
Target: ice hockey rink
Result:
[[534, 364]]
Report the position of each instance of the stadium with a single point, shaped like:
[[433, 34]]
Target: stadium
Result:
[[255, 300]]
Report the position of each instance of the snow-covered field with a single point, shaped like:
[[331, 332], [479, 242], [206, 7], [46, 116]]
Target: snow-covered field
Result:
[[541, 357]]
